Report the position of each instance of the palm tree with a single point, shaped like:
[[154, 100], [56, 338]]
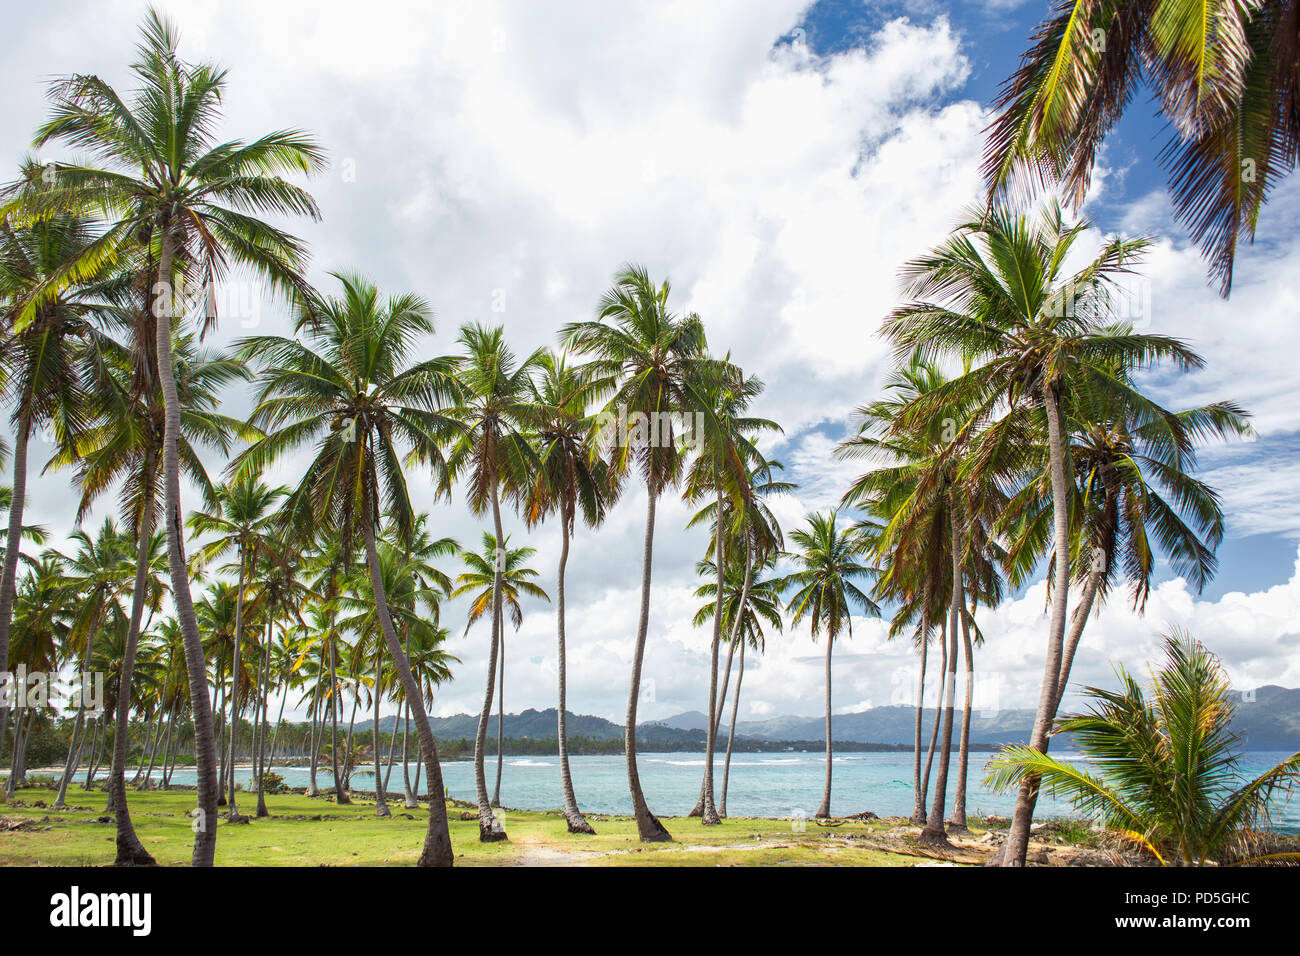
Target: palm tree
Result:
[[40, 634], [496, 577], [101, 573], [1225, 77], [995, 293], [930, 510], [659, 362], [746, 605], [825, 592], [43, 353], [493, 452], [1169, 779], [722, 471], [568, 478], [243, 522], [351, 389], [167, 183]]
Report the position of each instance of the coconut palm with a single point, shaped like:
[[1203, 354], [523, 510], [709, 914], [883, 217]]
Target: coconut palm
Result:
[[43, 354], [352, 389], [721, 471], [1225, 77], [825, 592], [660, 364], [996, 294], [1168, 779], [243, 522], [496, 577], [164, 181], [41, 623], [494, 456], [568, 478], [102, 574]]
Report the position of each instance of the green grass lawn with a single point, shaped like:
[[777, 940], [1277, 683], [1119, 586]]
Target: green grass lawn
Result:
[[354, 836]]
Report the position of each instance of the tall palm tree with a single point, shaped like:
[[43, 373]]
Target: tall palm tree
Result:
[[825, 592], [997, 295], [493, 454], [1169, 779], [243, 522], [722, 471], [568, 478], [43, 354], [496, 577], [352, 389], [165, 182], [660, 363], [1226, 77]]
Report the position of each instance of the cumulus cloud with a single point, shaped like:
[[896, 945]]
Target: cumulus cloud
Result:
[[503, 159]]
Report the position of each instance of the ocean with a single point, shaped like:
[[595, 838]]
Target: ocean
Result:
[[787, 784]]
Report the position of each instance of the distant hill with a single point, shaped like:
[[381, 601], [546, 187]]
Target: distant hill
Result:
[[1267, 720]]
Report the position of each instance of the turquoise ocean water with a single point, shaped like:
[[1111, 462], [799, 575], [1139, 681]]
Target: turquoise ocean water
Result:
[[762, 784]]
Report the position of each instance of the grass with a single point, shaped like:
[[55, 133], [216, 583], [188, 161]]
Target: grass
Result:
[[304, 831]]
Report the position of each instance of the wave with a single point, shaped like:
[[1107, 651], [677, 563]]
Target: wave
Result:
[[529, 763]]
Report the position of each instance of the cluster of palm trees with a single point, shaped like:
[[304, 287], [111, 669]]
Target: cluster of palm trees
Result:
[[1015, 431]]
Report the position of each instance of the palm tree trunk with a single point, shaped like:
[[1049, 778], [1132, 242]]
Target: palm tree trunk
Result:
[[259, 730], [13, 546], [919, 792], [340, 791], [934, 831], [698, 810], [647, 824], [501, 714], [392, 756], [222, 724], [731, 733], [824, 811], [205, 829], [17, 768], [130, 851], [938, 710], [381, 804], [489, 827], [577, 823], [437, 841], [279, 722], [958, 819], [347, 749], [412, 800], [237, 671], [162, 711], [1077, 624], [75, 743], [1017, 845], [709, 815]]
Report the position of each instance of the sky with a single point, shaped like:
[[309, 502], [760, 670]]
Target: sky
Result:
[[778, 161]]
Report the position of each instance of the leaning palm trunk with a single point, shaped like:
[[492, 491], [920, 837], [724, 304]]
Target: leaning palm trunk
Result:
[[918, 791], [938, 716], [13, 543], [501, 715], [130, 851], [709, 813], [236, 711], [75, 743], [958, 819], [1017, 846], [437, 841], [647, 824], [412, 800], [158, 737], [824, 810], [18, 762], [731, 734], [577, 823], [381, 804], [489, 827], [340, 791], [698, 810], [205, 836], [934, 831], [1079, 620]]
